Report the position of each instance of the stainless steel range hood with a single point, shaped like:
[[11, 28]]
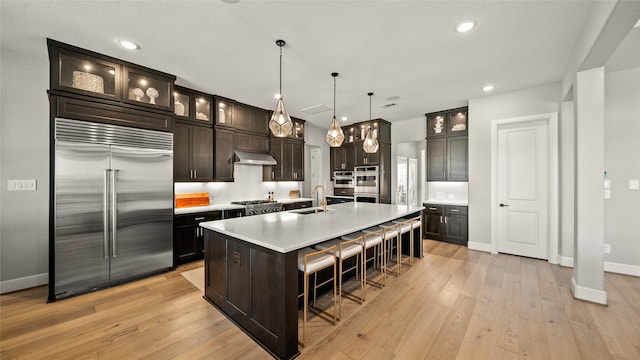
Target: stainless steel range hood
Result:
[[251, 158]]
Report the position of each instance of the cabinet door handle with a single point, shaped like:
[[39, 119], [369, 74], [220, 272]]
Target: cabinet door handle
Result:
[[441, 219], [199, 218], [445, 219], [273, 174], [195, 174], [503, 205], [433, 208]]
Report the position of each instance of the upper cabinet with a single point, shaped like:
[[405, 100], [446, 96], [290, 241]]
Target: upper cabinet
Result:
[[447, 145], [193, 106], [450, 122], [83, 72], [298, 129], [239, 116]]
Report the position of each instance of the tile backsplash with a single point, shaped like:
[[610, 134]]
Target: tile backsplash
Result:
[[248, 185], [447, 190]]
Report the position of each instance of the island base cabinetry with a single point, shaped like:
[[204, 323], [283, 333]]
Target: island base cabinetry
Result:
[[256, 288]]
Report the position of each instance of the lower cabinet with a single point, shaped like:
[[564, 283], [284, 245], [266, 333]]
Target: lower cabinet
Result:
[[297, 205], [338, 200], [188, 237], [446, 223]]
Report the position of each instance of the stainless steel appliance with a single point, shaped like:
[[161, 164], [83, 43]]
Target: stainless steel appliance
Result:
[[112, 206], [343, 179], [367, 184], [258, 207], [366, 180]]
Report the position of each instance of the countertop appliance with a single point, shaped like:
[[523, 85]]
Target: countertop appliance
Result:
[[258, 207], [112, 206]]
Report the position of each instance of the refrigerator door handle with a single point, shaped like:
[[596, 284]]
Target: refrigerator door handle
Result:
[[106, 214], [114, 213]]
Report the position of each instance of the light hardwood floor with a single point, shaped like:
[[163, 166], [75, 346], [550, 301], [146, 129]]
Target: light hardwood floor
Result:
[[453, 304]]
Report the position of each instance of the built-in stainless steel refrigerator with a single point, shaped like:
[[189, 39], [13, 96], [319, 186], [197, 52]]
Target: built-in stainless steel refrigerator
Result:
[[113, 206]]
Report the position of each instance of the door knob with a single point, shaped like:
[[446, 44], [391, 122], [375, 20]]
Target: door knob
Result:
[[503, 205]]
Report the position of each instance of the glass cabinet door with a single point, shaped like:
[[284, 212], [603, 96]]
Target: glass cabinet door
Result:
[[224, 113], [146, 89], [298, 130], [182, 102], [436, 124], [203, 108], [85, 74], [457, 122], [401, 181]]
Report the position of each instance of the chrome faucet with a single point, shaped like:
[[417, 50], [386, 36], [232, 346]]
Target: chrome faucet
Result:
[[324, 197]]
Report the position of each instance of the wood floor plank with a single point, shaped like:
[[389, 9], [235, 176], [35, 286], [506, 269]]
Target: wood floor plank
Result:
[[453, 303]]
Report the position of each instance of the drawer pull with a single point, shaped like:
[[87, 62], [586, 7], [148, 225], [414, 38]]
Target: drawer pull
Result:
[[199, 218], [433, 208], [454, 210]]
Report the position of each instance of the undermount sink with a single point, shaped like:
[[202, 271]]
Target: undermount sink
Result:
[[312, 211]]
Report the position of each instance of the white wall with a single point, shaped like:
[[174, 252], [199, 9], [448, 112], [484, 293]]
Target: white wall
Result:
[[482, 111], [24, 154], [622, 163]]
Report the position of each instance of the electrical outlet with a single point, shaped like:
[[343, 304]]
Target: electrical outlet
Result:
[[607, 248], [17, 185], [634, 184]]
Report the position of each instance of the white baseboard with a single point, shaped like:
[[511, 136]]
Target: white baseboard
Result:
[[588, 294], [611, 267], [566, 261], [23, 283], [479, 246], [625, 269]]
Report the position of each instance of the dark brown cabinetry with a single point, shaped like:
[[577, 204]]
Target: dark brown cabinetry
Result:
[[223, 154], [188, 236], [192, 105], [446, 223], [90, 86], [449, 122], [447, 146], [242, 117], [251, 142], [192, 153], [297, 205], [289, 155], [343, 157]]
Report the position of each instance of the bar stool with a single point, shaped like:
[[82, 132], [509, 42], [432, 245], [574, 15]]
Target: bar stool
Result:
[[407, 226], [345, 250], [390, 233], [310, 261], [373, 238]]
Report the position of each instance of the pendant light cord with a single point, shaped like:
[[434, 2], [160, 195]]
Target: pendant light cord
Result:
[[334, 97], [281, 70]]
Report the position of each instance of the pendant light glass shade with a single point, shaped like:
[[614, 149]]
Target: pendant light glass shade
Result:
[[335, 136], [370, 144], [280, 123]]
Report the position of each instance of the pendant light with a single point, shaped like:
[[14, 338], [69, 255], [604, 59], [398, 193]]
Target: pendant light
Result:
[[280, 123], [335, 136], [370, 144]]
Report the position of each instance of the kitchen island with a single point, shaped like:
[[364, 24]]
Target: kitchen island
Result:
[[251, 264]]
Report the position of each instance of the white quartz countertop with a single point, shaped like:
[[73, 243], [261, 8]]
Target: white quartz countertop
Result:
[[197, 209], [448, 202], [288, 231]]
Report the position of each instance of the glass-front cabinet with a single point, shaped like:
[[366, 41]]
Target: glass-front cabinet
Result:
[[224, 112], [450, 122], [192, 105], [298, 129], [85, 74], [144, 88]]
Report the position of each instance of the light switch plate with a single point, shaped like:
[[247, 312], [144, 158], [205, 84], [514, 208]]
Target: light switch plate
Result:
[[607, 194], [607, 248], [634, 184], [607, 184], [17, 185]]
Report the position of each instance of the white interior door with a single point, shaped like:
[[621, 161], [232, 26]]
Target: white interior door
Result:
[[523, 167]]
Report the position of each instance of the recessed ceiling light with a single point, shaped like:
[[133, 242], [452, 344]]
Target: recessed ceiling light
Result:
[[487, 88], [231, 1], [128, 44], [344, 118], [465, 26]]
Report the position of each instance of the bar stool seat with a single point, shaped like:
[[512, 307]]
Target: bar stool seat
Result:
[[373, 238], [310, 261], [390, 233], [345, 250]]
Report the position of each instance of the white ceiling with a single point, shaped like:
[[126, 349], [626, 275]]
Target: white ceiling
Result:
[[408, 49]]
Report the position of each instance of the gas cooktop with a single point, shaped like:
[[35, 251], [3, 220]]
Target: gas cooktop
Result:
[[252, 202]]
